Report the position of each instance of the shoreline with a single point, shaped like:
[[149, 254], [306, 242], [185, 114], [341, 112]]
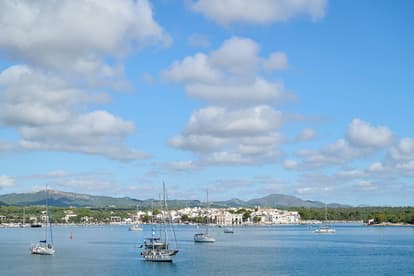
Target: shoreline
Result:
[[392, 224]]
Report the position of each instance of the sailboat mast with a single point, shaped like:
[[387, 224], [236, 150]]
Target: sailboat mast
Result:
[[163, 215], [47, 214], [207, 214], [170, 220]]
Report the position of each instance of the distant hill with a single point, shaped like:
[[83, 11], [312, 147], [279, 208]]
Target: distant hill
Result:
[[278, 200], [65, 199]]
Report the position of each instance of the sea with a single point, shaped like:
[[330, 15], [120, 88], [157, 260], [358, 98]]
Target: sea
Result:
[[251, 250]]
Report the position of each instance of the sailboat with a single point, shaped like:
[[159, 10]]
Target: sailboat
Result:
[[157, 249], [228, 230], [45, 247], [325, 228], [135, 227], [204, 236]]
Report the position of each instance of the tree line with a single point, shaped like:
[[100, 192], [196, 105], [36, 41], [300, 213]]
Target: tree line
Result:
[[378, 214]]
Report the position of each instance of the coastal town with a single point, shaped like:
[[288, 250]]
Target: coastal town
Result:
[[217, 216]]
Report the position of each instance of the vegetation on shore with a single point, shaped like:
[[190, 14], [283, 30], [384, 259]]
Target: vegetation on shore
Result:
[[378, 214]]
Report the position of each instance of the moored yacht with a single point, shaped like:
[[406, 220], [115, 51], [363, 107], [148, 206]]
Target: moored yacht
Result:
[[157, 249], [204, 236]]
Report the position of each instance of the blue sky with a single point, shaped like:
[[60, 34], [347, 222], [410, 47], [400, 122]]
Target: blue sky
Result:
[[309, 98]]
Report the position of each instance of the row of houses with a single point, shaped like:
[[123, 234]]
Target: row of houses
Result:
[[219, 216]]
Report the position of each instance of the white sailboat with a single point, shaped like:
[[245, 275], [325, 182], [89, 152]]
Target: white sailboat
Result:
[[204, 236], [324, 228], [45, 247], [157, 249], [135, 227], [228, 230]]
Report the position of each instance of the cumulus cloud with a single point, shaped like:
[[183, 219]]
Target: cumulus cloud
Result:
[[306, 135], [403, 150], [6, 181], [362, 140], [337, 153], [362, 134], [198, 40], [228, 136], [290, 164], [223, 122], [258, 91], [226, 12], [77, 36], [227, 75], [46, 112], [241, 127], [276, 61]]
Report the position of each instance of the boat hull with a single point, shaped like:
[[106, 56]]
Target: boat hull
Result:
[[135, 228], [159, 256], [40, 250], [203, 238], [324, 230]]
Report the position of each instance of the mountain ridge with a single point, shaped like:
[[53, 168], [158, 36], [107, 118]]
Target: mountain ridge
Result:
[[67, 199]]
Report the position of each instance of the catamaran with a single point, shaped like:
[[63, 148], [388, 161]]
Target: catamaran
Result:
[[157, 249], [45, 247], [204, 236]]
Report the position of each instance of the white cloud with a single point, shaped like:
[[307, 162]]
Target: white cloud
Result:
[[46, 112], [199, 40], [31, 98], [403, 150], [237, 57], [227, 75], [77, 36], [276, 61], [241, 127], [6, 181], [183, 166], [197, 143], [57, 173], [376, 167], [290, 164], [224, 122], [337, 153], [365, 186], [362, 140], [256, 92], [232, 136], [193, 69], [362, 134], [306, 135], [227, 12]]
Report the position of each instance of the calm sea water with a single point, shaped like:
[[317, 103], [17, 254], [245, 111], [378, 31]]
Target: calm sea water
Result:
[[276, 250]]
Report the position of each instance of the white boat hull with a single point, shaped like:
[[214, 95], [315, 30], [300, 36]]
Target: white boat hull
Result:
[[203, 238], [41, 250], [159, 255], [324, 230], [135, 228]]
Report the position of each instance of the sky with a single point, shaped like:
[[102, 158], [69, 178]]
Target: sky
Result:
[[309, 98]]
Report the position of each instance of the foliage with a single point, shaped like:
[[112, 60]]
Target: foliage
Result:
[[257, 219], [379, 214]]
